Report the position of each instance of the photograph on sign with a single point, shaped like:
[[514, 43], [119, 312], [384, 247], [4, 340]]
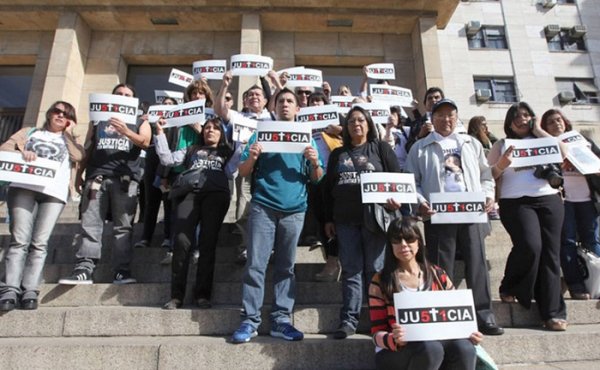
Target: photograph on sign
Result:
[[378, 187], [344, 103], [436, 315], [105, 106], [213, 69], [304, 77], [250, 65], [155, 112], [160, 95], [185, 114], [39, 172], [381, 71], [379, 112], [242, 127], [283, 136], [395, 94], [583, 159], [319, 116], [531, 152], [180, 78], [458, 208]]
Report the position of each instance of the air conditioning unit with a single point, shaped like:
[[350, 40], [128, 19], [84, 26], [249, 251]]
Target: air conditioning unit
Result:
[[566, 96], [551, 30], [548, 3], [472, 27], [483, 95], [577, 32]]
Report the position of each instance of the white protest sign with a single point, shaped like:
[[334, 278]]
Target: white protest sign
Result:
[[283, 136], [209, 69], [157, 111], [395, 94], [436, 315], [243, 127], [300, 77], [180, 78], [531, 152], [185, 114], [458, 208], [379, 111], [250, 65], [160, 95], [344, 103], [381, 71], [319, 116], [378, 187], [14, 169], [105, 106], [579, 153]]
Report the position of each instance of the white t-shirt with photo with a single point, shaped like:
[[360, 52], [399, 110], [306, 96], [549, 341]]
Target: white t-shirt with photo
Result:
[[452, 175]]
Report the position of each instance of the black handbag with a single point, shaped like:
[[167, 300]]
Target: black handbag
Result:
[[187, 182]]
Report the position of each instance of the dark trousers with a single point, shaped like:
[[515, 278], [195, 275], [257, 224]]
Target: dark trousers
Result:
[[442, 241], [314, 220], [458, 354], [533, 265], [152, 198], [208, 210]]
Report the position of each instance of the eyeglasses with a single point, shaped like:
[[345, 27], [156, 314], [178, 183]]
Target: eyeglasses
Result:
[[304, 92], [58, 111]]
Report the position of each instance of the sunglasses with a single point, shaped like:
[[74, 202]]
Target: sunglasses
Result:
[[304, 92], [57, 111]]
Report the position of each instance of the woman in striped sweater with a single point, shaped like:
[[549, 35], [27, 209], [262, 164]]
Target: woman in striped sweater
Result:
[[406, 268]]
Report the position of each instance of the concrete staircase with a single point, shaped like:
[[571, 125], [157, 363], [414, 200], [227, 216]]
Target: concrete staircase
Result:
[[104, 326]]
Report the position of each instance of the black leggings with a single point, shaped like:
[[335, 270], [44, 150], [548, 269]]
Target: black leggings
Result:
[[208, 210], [458, 354], [152, 198]]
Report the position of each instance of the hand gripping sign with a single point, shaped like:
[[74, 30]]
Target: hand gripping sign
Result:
[[436, 315], [300, 76], [180, 78], [283, 136], [579, 153], [161, 95], [39, 172], [319, 117], [531, 152], [250, 65], [381, 71], [209, 69], [394, 94], [378, 187], [155, 112], [185, 114], [379, 111], [105, 106], [458, 208]]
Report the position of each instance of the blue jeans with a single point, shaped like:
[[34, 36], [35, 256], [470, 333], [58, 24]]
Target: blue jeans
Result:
[[361, 255], [581, 219], [32, 219], [270, 230], [94, 210]]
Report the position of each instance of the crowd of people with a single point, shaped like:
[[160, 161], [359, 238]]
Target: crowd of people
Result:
[[312, 197]]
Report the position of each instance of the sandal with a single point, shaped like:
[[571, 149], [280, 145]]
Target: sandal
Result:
[[556, 324], [505, 298]]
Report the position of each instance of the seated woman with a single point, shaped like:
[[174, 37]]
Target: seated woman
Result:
[[206, 202], [406, 268], [34, 209]]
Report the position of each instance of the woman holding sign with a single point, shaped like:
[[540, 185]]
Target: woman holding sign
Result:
[[361, 246], [581, 217], [35, 209], [200, 195], [531, 211], [407, 269]]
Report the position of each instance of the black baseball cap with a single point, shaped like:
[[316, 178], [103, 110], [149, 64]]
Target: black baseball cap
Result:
[[442, 102]]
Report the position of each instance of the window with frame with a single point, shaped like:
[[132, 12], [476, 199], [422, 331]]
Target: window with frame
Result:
[[584, 89], [562, 41], [16, 84], [565, 2], [502, 89], [488, 37]]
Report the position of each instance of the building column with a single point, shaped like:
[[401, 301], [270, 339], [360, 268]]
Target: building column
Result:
[[250, 43], [66, 65], [426, 56]]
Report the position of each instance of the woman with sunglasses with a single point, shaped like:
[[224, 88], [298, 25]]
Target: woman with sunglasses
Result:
[[34, 209]]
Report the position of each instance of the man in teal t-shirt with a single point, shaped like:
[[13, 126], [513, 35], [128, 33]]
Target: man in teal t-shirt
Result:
[[276, 219]]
